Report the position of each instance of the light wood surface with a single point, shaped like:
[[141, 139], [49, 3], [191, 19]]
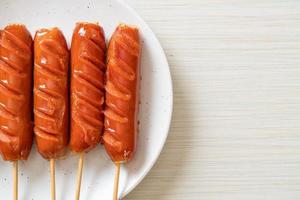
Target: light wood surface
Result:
[[235, 133]]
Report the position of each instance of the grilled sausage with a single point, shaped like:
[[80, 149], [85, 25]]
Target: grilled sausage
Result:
[[15, 92], [122, 93], [87, 86], [51, 60]]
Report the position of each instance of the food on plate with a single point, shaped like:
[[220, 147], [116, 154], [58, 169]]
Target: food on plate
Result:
[[51, 61], [15, 92], [122, 93], [88, 51]]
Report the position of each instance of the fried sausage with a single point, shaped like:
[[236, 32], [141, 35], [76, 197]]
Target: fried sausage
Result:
[[122, 93], [15, 92], [87, 86], [51, 60]]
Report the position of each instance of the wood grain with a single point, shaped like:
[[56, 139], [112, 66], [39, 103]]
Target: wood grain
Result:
[[235, 132]]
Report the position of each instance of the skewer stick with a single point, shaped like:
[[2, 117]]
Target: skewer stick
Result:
[[116, 182], [52, 178], [15, 177], [79, 175]]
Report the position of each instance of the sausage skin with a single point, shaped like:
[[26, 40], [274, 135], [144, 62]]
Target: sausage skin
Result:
[[122, 94], [87, 86], [51, 60], [15, 92]]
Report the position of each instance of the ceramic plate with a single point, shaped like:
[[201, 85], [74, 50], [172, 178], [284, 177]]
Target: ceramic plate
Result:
[[155, 108]]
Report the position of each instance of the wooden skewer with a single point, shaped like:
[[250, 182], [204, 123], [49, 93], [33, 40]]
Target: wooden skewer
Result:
[[116, 182], [79, 175], [52, 178], [15, 177]]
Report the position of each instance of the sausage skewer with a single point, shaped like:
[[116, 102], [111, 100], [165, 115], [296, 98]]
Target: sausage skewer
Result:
[[122, 93], [51, 60], [116, 181], [79, 175], [15, 96], [15, 179], [52, 178], [87, 90]]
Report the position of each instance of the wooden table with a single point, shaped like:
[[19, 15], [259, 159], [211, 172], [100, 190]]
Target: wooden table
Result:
[[235, 133]]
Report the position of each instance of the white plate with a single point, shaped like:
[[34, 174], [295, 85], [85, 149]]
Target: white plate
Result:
[[155, 108]]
